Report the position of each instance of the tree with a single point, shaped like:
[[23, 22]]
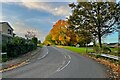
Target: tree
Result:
[[98, 18], [60, 34], [35, 40], [84, 37], [39, 41], [48, 39]]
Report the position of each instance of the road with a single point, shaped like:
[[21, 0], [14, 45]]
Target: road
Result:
[[58, 63]]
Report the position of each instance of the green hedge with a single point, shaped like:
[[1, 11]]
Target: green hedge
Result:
[[14, 50], [18, 46]]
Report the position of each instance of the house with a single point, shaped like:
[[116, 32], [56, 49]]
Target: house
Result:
[[6, 32]]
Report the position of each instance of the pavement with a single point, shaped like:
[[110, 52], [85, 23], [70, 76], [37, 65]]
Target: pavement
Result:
[[53, 62]]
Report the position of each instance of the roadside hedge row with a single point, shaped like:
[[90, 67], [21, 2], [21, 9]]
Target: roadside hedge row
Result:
[[15, 50], [18, 46]]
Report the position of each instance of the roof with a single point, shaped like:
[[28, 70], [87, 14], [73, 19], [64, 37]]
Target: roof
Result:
[[7, 24]]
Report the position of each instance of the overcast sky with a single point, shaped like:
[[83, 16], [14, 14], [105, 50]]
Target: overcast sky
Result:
[[38, 17]]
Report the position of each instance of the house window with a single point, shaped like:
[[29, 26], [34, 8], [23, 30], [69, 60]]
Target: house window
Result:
[[9, 31]]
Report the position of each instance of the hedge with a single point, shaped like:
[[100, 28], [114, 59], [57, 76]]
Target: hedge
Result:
[[18, 46]]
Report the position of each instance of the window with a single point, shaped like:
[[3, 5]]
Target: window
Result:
[[9, 31]]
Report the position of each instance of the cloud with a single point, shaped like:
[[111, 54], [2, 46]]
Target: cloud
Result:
[[22, 26], [38, 0], [1, 17], [21, 29], [61, 10], [57, 11]]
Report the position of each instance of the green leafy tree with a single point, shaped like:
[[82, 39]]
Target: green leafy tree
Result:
[[84, 38], [35, 40], [98, 18], [39, 41], [48, 39]]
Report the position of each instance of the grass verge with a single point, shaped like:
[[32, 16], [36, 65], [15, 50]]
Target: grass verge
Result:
[[80, 50], [40, 45]]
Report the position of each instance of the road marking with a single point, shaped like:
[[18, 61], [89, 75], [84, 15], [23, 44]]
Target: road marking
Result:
[[69, 56], [63, 64], [63, 53], [44, 54], [60, 69], [65, 56]]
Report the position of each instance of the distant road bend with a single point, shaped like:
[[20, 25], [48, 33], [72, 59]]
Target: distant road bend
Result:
[[58, 63]]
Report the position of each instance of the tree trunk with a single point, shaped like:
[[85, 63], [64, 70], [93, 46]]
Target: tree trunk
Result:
[[99, 39], [99, 36], [99, 27]]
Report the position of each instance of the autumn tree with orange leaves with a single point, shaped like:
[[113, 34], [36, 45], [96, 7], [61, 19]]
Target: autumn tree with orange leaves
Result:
[[60, 34]]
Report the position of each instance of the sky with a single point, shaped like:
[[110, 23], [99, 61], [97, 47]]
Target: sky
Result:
[[38, 17]]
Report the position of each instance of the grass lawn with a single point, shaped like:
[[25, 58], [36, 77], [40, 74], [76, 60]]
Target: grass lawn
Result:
[[80, 50], [40, 45], [115, 51]]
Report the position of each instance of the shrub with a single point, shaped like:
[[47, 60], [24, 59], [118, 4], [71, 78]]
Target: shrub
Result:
[[19, 46], [4, 49], [97, 55], [96, 49], [4, 58], [35, 40], [106, 50]]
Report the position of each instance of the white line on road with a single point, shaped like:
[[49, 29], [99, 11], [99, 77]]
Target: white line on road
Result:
[[69, 56], [59, 69], [60, 66], [65, 56], [44, 54], [63, 64]]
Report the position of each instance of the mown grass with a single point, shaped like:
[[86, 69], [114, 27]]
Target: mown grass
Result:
[[40, 45], [115, 51], [80, 50]]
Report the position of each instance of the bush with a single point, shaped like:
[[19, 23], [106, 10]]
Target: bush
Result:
[[97, 56], [18, 46], [4, 58], [106, 50], [35, 40], [4, 49], [96, 49]]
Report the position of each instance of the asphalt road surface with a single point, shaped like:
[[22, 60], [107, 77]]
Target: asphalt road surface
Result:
[[58, 63]]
